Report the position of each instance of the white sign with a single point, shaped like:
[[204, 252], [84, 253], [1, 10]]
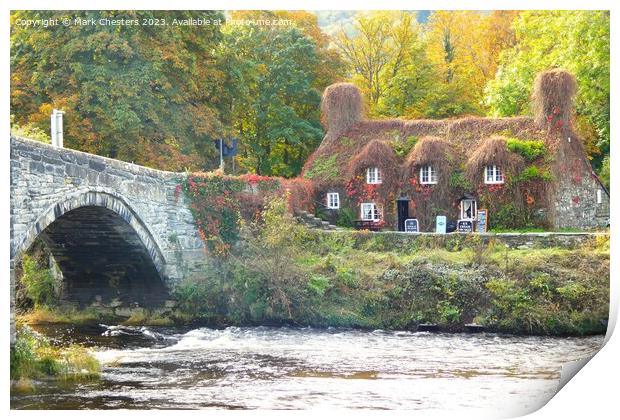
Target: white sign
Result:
[[440, 226]]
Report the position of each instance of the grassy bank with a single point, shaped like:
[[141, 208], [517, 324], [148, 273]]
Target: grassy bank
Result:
[[33, 357], [280, 272], [285, 273]]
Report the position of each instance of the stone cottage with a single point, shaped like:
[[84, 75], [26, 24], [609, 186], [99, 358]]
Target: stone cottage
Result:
[[519, 172]]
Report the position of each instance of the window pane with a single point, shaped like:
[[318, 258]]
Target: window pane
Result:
[[333, 200]]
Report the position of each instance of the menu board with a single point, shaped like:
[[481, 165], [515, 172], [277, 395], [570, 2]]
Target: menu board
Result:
[[411, 226], [465, 226]]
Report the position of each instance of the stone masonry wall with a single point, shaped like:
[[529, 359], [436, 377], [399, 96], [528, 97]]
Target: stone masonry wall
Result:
[[47, 181], [576, 190]]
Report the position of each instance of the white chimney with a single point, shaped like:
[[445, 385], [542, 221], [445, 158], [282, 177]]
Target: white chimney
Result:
[[56, 126]]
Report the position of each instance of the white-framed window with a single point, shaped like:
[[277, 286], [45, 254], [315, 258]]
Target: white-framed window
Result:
[[370, 211], [333, 200], [493, 175], [599, 196], [373, 176], [469, 209], [428, 175]]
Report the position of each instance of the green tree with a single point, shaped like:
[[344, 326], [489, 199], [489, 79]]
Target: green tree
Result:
[[274, 104], [575, 40]]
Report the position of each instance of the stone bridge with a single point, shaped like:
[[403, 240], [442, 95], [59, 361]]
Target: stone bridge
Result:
[[114, 230]]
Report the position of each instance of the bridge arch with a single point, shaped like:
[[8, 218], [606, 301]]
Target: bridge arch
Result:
[[103, 211]]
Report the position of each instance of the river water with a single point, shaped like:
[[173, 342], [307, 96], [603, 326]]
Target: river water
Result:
[[300, 368]]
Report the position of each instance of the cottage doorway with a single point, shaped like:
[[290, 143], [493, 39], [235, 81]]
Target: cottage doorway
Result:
[[469, 208]]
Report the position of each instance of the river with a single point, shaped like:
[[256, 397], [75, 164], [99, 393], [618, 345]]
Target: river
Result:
[[300, 368]]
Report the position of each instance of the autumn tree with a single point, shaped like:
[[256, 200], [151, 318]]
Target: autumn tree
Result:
[[435, 70], [148, 94], [463, 48], [380, 48], [577, 41]]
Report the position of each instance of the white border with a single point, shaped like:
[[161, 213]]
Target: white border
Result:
[[592, 394]]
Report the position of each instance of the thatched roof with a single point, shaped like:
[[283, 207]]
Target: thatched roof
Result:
[[493, 151], [378, 154], [463, 135], [428, 150]]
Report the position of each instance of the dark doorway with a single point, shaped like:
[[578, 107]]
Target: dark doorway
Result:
[[402, 208]]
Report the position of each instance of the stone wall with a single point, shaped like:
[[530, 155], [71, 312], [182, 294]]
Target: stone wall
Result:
[[401, 240], [576, 190]]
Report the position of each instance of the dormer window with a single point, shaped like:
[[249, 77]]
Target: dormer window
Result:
[[428, 175], [373, 176], [493, 175], [333, 200]]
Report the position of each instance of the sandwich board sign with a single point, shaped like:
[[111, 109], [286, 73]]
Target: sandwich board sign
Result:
[[412, 226], [440, 225], [465, 226], [482, 223]]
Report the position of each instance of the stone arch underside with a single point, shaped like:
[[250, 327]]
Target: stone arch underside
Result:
[[102, 249]]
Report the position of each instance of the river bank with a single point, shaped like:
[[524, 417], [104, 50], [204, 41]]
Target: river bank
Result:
[[283, 273]]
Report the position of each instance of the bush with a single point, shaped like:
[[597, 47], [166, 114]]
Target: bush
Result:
[[200, 299], [33, 357], [346, 218], [39, 282], [505, 217], [318, 284], [530, 150], [532, 173], [23, 359]]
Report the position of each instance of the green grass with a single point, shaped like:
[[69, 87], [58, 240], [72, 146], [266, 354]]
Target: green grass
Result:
[[57, 315], [33, 357]]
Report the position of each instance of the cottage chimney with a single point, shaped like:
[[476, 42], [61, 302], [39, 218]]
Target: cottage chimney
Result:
[[553, 99], [341, 107]]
